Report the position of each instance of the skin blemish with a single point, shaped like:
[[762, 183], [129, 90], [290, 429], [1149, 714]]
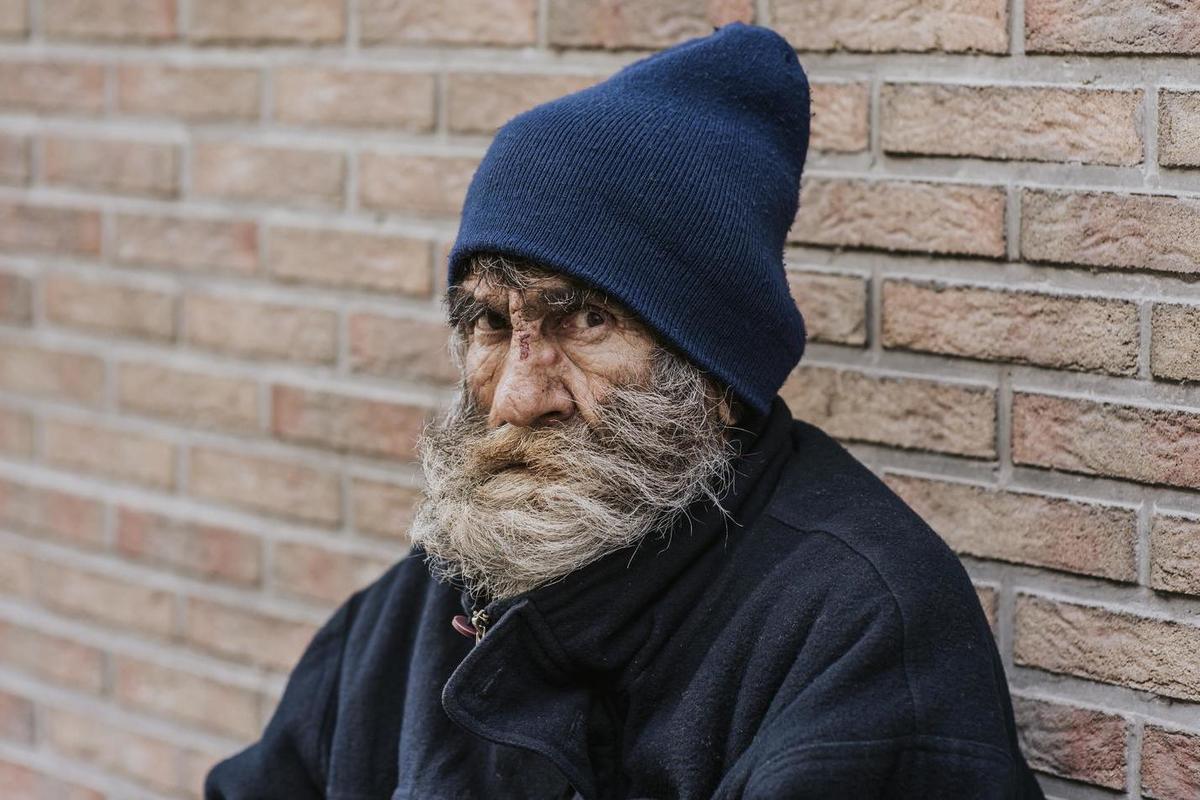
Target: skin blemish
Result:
[[523, 339]]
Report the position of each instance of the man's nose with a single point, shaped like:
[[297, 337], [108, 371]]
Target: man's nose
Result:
[[528, 393]]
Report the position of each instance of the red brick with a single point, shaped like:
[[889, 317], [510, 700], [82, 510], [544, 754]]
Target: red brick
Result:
[[343, 422], [16, 718], [1037, 123], [176, 694], [901, 215], [1088, 538], [242, 634], [205, 94], [951, 26], [25, 783], [187, 244], [263, 173], [1170, 764], [1075, 743], [52, 513], [480, 22], [267, 21], [113, 748], [1150, 445], [281, 488], [840, 114], [989, 601], [193, 548], [16, 433], [52, 86], [383, 509], [1142, 653], [834, 306], [122, 20], [110, 308], [902, 412], [324, 575], [1061, 331], [1175, 554], [426, 185], [14, 159], [115, 166], [1179, 129], [392, 100], [106, 599], [52, 230], [16, 299], [352, 260], [194, 399], [1133, 231], [614, 24], [253, 329], [56, 659], [16, 574], [57, 374], [480, 102], [1175, 341], [1111, 26], [401, 348], [116, 453], [14, 23]]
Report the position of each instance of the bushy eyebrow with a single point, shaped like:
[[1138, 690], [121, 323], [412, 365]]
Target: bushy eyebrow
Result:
[[463, 305]]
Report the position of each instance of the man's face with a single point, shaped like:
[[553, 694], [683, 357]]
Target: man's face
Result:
[[573, 434]]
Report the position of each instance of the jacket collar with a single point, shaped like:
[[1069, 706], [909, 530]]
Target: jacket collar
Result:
[[526, 682]]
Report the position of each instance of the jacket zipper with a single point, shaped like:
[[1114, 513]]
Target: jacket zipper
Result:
[[480, 622]]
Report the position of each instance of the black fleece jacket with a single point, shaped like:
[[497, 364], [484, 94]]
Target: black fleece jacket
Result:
[[825, 644]]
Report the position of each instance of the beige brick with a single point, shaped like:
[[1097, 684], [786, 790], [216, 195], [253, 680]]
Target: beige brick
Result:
[[614, 24], [26, 782], [16, 433], [262, 173], [194, 399], [110, 308], [52, 230], [116, 453], [47, 513], [253, 329], [1075, 743], [1112, 26], [14, 23], [205, 94], [113, 748], [989, 601], [16, 718], [242, 634], [1175, 342], [280, 488], [901, 215], [1133, 231], [185, 696], [1070, 535], [352, 260], [14, 159], [16, 574], [56, 374], [1065, 332], [106, 599], [126, 20], [52, 86], [1170, 764], [383, 509], [343, 422], [428, 185], [481, 22], [401, 348], [1151, 445], [392, 100], [480, 102], [951, 26], [207, 551], [1142, 653], [16, 299], [267, 21], [902, 412], [187, 244], [56, 659], [834, 306], [1175, 555], [1179, 129], [115, 166], [1037, 123], [320, 574], [840, 113]]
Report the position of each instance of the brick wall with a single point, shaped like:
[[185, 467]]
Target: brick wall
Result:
[[222, 227]]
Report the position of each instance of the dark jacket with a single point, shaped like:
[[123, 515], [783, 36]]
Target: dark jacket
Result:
[[828, 645]]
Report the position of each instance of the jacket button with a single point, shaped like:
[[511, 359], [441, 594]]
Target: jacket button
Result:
[[463, 625]]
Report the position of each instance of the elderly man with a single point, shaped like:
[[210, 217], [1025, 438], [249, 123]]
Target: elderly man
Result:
[[635, 575]]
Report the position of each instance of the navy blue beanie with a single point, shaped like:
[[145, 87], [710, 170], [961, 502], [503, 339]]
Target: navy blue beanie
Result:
[[671, 187]]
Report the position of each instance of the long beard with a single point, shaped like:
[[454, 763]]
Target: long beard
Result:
[[509, 509]]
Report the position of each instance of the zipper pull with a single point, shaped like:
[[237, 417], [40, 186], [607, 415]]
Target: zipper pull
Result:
[[480, 622]]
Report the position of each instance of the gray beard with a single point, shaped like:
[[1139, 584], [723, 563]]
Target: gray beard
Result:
[[575, 492]]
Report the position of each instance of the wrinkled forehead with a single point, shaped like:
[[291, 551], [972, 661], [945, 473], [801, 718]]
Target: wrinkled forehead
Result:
[[540, 289]]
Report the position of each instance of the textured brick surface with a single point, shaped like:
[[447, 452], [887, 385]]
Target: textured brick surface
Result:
[[840, 117], [252, 329], [267, 21], [108, 452], [1175, 554], [343, 422], [14, 159], [135, 756], [244, 635], [192, 548], [14, 18], [186, 244], [283, 175], [144, 20], [497, 22], [194, 399], [49, 229], [395, 100], [52, 86], [615, 24], [1179, 129], [52, 514], [480, 102], [170, 692], [192, 93], [111, 165], [62, 374], [106, 599], [1175, 342], [321, 574], [382, 509], [400, 348], [114, 309], [1170, 763], [56, 659], [1025, 122], [416, 184], [275, 487], [1112, 26], [1076, 743], [889, 25], [834, 306], [351, 259]]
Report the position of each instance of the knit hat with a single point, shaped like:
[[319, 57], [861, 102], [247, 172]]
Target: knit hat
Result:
[[670, 186]]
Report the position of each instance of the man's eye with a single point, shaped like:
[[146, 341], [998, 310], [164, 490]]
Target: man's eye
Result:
[[586, 318], [490, 320]]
